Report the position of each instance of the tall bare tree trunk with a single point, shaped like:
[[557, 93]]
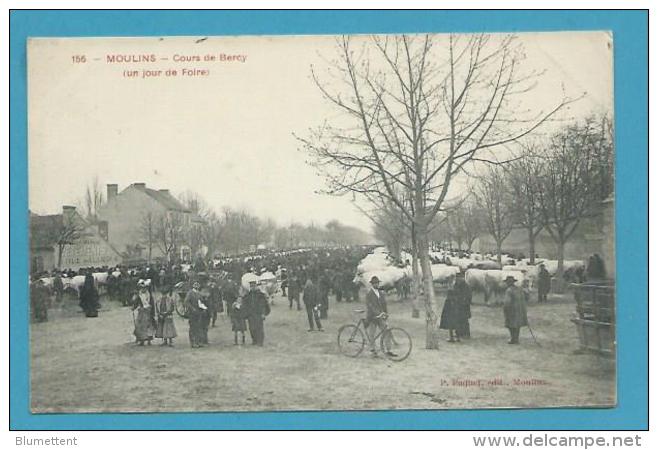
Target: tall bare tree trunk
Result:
[[415, 310], [531, 242], [499, 251], [559, 285], [431, 336]]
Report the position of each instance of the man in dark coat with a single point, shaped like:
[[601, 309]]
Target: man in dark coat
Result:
[[256, 308], [376, 313], [215, 302], [195, 312], [294, 289], [313, 303], [514, 309], [543, 284], [325, 286]]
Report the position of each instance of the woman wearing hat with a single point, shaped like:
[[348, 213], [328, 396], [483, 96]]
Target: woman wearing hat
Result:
[[145, 323], [514, 309]]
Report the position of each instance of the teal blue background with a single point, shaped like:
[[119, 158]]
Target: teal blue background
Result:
[[630, 30]]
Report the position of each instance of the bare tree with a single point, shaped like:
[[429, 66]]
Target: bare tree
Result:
[[466, 223], [416, 115], [148, 232], [66, 233], [523, 178], [94, 199], [496, 203], [572, 182], [169, 233]]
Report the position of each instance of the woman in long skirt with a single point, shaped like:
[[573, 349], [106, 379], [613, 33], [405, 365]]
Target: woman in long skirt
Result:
[[145, 321], [164, 309], [89, 297]]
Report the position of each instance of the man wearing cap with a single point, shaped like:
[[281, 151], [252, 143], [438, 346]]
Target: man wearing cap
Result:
[[195, 312], [514, 309], [256, 307], [376, 312]]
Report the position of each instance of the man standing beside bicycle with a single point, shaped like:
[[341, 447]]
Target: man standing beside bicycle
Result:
[[376, 314]]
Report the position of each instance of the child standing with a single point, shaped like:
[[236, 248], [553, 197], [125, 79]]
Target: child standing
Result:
[[238, 320]]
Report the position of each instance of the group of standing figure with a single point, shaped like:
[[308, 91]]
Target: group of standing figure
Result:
[[154, 318], [457, 310]]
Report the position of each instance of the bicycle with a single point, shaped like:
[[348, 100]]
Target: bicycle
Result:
[[395, 343]]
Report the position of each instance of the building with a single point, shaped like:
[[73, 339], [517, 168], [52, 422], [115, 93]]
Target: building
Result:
[[67, 241], [146, 224]]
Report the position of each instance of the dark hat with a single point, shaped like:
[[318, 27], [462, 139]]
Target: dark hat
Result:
[[374, 280]]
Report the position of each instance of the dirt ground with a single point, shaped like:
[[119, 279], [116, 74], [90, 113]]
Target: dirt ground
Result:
[[93, 365]]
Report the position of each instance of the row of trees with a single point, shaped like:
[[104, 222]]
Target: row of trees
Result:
[[235, 231], [552, 185], [418, 113]]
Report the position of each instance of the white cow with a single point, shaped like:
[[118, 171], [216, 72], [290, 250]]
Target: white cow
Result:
[[475, 280], [388, 276], [444, 275], [495, 282]]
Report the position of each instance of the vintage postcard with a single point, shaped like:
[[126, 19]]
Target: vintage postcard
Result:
[[349, 222]]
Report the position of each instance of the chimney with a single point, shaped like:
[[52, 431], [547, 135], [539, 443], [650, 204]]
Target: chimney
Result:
[[112, 191], [164, 191], [140, 185], [68, 213]]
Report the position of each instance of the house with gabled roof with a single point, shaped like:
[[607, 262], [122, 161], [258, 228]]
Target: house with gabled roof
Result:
[[146, 224]]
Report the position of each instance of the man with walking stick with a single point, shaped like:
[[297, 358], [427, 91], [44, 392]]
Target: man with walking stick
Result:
[[514, 309]]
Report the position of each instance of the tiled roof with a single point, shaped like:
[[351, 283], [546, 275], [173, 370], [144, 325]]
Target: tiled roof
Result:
[[166, 199], [43, 230]]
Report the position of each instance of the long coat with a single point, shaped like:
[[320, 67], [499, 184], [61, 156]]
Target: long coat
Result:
[[89, 297], [514, 308], [145, 322], [255, 305], [311, 296], [544, 281], [451, 315], [164, 311]]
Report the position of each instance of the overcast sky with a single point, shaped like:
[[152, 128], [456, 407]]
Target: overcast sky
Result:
[[227, 136]]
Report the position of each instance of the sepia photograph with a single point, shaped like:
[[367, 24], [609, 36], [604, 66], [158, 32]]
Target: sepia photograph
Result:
[[321, 222]]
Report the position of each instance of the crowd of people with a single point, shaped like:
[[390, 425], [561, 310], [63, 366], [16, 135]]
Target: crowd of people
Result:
[[306, 277], [208, 288]]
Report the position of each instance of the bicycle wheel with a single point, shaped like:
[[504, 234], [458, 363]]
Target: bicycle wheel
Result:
[[396, 344], [351, 340], [181, 307]]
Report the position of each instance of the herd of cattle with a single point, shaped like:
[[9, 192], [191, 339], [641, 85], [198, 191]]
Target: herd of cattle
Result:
[[483, 273]]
